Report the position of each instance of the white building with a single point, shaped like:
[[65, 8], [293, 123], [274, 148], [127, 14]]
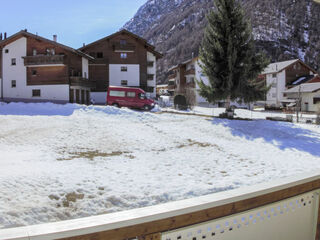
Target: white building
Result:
[[308, 94], [280, 76], [35, 69]]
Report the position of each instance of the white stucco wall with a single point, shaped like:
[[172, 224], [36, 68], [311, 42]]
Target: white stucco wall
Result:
[[200, 77], [18, 49], [308, 98], [132, 75], [85, 67], [272, 94], [152, 70]]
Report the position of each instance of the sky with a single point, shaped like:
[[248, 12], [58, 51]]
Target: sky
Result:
[[74, 21]]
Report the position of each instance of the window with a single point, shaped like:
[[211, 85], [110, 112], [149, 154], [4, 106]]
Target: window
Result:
[[117, 93], [123, 42], [36, 93], [274, 95], [34, 72], [274, 85], [99, 54], [13, 83], [34, 52], [13, 62], [274, 75], [124, 83], [6, 51], [142, 96], [123, 55], [85, 74], [131, 94], [124, 69], [50, 51]]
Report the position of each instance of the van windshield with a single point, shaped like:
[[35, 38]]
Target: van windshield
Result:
[[143, 96]]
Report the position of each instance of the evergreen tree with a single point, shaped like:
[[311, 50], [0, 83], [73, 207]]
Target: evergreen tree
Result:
[[229, 58]]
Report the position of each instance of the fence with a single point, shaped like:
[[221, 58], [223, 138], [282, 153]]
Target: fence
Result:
[[285, 209]]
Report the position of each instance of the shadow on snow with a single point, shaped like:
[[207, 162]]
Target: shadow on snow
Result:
[[281, 134]]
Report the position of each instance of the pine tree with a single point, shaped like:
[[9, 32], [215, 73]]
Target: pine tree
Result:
[[229, 58]]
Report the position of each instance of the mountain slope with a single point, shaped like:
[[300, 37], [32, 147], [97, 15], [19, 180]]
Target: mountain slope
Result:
[[285, 29]]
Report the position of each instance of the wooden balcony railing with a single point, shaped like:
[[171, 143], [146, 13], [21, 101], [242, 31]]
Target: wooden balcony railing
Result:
[[172, 76], [191, 71], [150, 76], [284, 209], [43, 60], [81, 82], [150, 64], [117, 47]]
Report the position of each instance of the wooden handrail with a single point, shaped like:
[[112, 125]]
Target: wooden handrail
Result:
[[150, 222]]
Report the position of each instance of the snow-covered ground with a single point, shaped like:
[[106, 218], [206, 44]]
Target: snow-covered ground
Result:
[[67, 161]]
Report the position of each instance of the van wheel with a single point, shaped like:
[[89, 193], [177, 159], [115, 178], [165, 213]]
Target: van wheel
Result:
[[146, 107], [116, 105]]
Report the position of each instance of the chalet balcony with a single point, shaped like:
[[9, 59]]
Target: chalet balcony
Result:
[[81, 82], [172, 76], [150, 64], [150, 77], [190, 71], [44, 60], [117, 47]]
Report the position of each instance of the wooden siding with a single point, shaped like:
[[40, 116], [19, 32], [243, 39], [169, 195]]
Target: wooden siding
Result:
[[108, 46], [100, 75], [47, 75], [52, 75], [295, 71]]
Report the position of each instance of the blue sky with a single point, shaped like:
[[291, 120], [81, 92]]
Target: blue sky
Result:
[[74, 21]]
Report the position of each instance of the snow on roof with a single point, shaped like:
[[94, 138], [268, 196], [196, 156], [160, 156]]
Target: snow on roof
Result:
[[305, 88], [278, 66]]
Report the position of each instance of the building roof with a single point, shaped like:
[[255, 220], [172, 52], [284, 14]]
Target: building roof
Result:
[[303, 79], [279, 66], [305, 88], [183, 63], [150, 47], [24, 33]]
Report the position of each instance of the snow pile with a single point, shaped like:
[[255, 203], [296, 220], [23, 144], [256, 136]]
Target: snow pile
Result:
[[93, 160], [51, 109]]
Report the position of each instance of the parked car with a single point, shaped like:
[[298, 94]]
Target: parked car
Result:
[[129, 97]]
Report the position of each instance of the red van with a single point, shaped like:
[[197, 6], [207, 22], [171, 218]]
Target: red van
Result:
[[129, 97]]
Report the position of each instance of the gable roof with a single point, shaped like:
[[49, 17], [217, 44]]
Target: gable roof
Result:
[[24, 33], [279, 66], [183, 63], [305, 88], [150, 47]]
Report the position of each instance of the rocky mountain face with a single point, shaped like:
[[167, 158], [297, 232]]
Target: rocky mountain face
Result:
[[284, 29]]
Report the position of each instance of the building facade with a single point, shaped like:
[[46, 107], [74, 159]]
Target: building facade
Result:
[[307, 95], [122, 59], [281, 76], [35, 69], [183, 80]]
